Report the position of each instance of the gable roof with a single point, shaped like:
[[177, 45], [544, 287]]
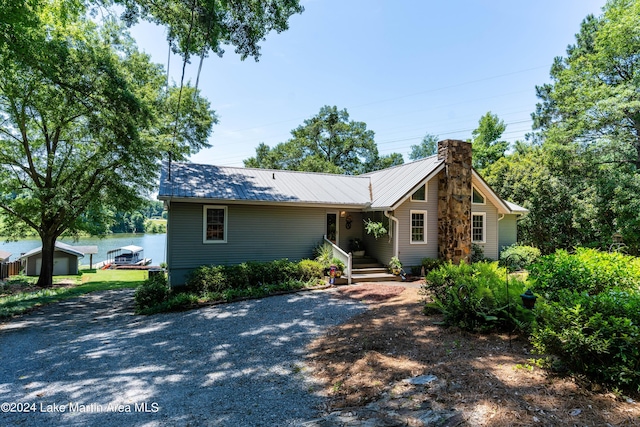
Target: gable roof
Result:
[[393, 185], [62, 247], [210, 182], [4, 255], [385, 189]]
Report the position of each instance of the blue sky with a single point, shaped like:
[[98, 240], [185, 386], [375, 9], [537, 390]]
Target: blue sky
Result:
[[405, 68]]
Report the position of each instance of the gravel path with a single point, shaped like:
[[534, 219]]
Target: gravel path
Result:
[[238, 364]]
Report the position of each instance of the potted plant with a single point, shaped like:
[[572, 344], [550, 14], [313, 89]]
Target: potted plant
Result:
[[376, 228], [323, 253], [356, 247], [395, 265], [338, 264]]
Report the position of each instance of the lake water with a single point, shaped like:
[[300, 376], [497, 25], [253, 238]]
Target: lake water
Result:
[[154, 246]]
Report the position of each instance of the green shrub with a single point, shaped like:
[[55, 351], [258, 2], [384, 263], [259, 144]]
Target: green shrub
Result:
[[597, 336], [474, 297], [588, 270], [431, 264], [323, 254], [338, 263], [177, 302], [249, 275], [477, 253], [206, 279], [309, 269], [153, 291], [517, 257]]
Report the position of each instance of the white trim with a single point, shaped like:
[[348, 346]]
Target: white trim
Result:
[[350, 206], [424, 227], [394, 232], [204, 224], [484, 198], [426, 193], [428, 178], [490, 194], [484, 227]]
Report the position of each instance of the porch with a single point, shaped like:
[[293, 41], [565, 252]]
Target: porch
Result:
[[359, 269]]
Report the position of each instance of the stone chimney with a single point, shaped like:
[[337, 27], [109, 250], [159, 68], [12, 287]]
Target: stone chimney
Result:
[[454, 201]]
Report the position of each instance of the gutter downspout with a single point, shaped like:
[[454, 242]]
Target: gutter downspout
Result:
[[395, 235]]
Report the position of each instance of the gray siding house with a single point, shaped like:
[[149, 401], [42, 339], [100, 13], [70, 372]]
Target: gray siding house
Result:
[[434, 208], [65, 260]]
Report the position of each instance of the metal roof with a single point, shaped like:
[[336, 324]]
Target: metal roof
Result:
[[62, 247], [393, 184], [130, 248], [380, 190], [87, 249], [262, 185], [515, 208]]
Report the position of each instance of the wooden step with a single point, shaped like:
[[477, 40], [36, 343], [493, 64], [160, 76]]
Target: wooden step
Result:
[[369, 270], [370, 265], [374, 277]]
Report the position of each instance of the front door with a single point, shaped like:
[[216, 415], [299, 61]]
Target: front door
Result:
[[332, 227]]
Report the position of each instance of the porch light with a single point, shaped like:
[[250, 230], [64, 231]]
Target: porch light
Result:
[[528, 299], [343, 214]]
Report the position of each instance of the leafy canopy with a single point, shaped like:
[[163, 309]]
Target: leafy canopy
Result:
[[200, 26], [487, 147], [579, 178], [328, 142], [593, 100], [427, 147], [85, 120]]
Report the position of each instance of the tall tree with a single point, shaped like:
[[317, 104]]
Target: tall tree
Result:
[[82, 126], [589, 117], [593, 100], [328, 142], [199, 26], [487, 147], [427, 147]]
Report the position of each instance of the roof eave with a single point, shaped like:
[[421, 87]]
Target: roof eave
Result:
[[404, 198], [497, 201], [204, 200]]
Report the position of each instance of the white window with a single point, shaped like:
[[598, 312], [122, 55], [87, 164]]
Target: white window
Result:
[[420, 195], [214, 224], [418, 227], [478, 227], [478, 197]]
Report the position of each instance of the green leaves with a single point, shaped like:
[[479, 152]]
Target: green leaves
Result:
[[207, 25], [487, 148], [593, 335], [427, 147], [474, 297], [328, 142], [86, 121], [594, 96]]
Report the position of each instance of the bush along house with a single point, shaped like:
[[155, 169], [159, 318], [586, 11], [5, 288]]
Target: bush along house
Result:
[[435, 207]]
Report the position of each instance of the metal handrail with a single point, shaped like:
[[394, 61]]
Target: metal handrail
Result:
[[339, 253]]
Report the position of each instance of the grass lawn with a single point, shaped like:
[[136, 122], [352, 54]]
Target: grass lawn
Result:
[[19, 294]]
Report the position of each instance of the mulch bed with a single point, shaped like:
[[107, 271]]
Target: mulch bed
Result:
[[491, 379]]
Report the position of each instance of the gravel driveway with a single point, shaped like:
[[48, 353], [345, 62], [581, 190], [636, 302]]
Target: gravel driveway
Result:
[[237, 364]]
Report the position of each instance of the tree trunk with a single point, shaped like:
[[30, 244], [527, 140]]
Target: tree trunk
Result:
[[46, 270]]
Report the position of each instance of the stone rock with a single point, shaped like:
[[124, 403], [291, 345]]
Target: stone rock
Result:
[[421, 380]]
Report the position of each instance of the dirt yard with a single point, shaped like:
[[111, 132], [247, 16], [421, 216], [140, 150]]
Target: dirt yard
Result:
[[490, 379]]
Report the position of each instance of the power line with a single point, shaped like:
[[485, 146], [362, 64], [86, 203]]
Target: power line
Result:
[[226, 161], [402, 97]]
